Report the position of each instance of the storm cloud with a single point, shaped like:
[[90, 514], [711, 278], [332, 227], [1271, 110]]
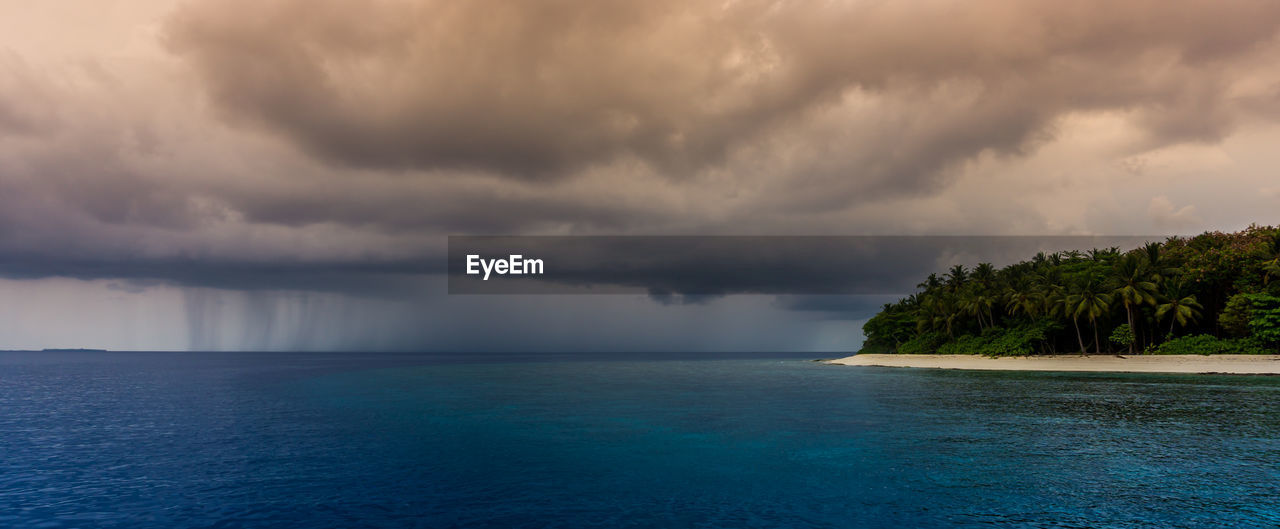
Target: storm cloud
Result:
[[537, 90], [694, 268], [286, 148]]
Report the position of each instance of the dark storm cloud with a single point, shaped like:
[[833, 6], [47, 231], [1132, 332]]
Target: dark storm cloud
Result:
[[405, 120], [392, 279], [688, 269], [90, 190], [542, 89], [393, 209]]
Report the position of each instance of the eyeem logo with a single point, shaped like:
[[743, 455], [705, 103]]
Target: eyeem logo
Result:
[[514, 264]]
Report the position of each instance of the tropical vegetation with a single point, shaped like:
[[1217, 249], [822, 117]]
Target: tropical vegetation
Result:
[[1213, 293]]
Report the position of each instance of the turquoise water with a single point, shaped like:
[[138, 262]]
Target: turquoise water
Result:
[[362, 440]]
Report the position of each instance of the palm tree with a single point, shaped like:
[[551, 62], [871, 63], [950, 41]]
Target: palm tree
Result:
[[1272, 267], [980, 296], [1097, 254], [1050, 278], [1133, 287], [930, 283], [977, 302], [1059, 303], [1023, 297], [936, 313], [984, 274], [1039, 259], [1160, 271], [956, 278], [1091, 301], [1151, 252], [1181, 309]]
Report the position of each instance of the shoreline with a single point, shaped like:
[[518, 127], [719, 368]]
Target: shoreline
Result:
[[1104, 363]]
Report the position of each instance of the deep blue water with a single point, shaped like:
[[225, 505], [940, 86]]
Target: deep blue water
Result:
[[176, 440]]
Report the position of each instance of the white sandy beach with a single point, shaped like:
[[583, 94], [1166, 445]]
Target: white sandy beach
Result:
[[1230, 364]]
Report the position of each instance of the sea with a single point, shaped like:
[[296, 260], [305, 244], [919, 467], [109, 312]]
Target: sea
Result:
[[380, 440]]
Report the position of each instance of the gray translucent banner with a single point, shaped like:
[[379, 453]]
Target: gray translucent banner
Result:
[[719, 265]]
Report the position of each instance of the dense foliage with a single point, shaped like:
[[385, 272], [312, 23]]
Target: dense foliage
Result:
[[1214, 293]]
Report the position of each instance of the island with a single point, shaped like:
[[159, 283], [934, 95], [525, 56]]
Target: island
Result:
[[1211, 303], [1198, 364], [78, 350]]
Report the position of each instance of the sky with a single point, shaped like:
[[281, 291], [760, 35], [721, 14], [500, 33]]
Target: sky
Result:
[[283, 174]]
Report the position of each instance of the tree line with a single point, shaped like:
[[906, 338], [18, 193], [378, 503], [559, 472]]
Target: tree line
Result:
[[1212, 293]]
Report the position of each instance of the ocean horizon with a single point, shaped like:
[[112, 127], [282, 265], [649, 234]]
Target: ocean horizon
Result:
[[579, 440]]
